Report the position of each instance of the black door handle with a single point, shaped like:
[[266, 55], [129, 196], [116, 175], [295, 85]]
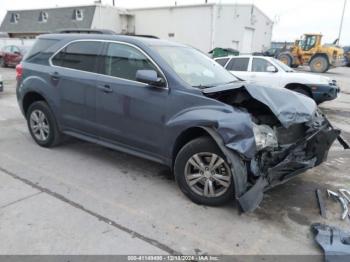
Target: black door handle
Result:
[[105, 88], [55, 76]]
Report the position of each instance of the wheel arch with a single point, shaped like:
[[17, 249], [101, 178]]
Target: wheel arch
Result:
[[29, 98], [239, 172], [186, 136], [293, 86]]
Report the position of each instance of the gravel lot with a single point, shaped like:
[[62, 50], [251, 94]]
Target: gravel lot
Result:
[[81, 198]]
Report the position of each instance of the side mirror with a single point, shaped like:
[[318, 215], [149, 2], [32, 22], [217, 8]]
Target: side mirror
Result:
[[149, 77], [271, 69]]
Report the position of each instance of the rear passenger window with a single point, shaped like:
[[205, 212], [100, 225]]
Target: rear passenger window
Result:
[[79, 55], [123, 61], [222, 61], [238, 64], [38, 54]]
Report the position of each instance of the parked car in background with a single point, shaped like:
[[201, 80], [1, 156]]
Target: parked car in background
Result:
[[12, 55], [269, 71], [271, 52], [1, 84], [172, 104], [347, 54]]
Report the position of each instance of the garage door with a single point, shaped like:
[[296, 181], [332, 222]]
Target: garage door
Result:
[[247, 43]]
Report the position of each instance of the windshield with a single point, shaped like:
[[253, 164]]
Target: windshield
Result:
[[283, 66], [194, 67]]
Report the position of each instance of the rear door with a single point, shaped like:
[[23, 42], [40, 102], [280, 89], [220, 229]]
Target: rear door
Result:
[[129, 113], [74, 75], [238, 66]]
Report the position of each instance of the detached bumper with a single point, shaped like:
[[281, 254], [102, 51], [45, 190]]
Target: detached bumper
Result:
[[276, 167]]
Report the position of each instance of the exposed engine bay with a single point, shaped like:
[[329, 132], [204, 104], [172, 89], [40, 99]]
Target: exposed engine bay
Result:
[[291, 135]]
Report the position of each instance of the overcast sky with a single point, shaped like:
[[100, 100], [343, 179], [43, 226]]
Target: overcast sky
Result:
[[291, 18]]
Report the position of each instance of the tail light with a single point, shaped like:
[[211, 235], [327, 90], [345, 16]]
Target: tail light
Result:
[[19, 72]]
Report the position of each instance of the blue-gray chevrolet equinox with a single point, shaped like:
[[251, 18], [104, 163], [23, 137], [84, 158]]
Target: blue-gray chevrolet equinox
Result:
[[223, 138]]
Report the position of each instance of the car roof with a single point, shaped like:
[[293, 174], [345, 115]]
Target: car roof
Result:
[[124, 38]]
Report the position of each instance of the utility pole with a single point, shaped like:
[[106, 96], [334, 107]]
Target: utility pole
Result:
[[341, 21], [113, 2]]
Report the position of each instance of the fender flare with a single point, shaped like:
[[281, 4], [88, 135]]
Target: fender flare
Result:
[[239, 173]]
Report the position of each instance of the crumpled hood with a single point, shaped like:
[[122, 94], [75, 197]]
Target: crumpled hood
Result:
[[289, 107]]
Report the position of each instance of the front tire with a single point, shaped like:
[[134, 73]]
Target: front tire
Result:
[[42, 125], [203, 174]]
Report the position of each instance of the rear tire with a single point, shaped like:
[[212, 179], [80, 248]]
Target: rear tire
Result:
[[42, 125], [286, 59], [319, 64], [207, 190]]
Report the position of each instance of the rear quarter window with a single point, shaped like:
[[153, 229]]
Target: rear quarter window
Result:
[[38, 53]]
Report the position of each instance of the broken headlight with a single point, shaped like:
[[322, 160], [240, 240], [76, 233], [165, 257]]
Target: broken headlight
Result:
[[265, 137]]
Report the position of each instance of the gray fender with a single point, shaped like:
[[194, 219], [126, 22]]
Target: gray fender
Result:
[[239, 172]]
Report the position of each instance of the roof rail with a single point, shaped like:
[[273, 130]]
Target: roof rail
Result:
[[97, 31], [148, 36], [85, 31]]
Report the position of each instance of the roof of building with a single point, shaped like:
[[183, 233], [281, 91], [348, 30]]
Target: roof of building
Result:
[[29, 21]]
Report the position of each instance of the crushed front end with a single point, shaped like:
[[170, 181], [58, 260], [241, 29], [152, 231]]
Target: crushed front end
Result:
[[300, 147], [291, 135]]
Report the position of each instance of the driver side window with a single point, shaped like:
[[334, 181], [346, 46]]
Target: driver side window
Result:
[[124, 61], [260, 65]]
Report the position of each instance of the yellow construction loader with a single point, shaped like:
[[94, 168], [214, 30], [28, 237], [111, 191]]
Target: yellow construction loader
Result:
[[309, 51]]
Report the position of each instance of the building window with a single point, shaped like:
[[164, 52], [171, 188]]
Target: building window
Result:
[[14, 18], [78, 14], [43, 17]]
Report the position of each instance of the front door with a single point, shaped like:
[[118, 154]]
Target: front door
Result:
[[261, 75], [129, 113]]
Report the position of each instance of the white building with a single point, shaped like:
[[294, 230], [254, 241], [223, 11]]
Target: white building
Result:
[[242, 27]]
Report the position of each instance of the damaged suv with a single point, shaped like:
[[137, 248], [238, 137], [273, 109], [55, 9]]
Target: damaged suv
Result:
[[223, 138]]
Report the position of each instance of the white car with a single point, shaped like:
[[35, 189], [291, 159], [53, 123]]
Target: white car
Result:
[[272, 72]]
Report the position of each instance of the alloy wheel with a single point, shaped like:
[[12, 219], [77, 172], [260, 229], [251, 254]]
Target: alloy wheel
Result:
[[208, 174], [39, 125]]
